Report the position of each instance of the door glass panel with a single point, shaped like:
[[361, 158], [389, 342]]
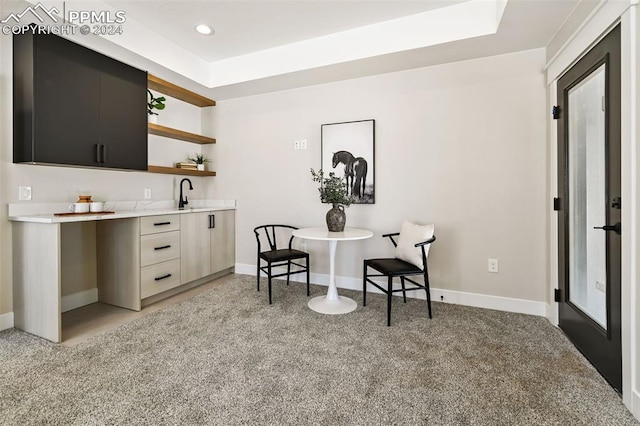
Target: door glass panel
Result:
[[587, 197]]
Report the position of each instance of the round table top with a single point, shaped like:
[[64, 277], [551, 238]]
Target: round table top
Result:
[[324, 234]]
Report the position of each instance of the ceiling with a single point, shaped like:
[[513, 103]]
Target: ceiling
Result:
[[266, 45], [243, 27]]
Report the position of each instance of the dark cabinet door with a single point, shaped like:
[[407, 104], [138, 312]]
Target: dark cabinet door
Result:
[[123, 116], [65, 102], [74, 106]]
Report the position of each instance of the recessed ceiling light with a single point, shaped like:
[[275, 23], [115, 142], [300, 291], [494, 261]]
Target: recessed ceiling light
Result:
[[204, 29]]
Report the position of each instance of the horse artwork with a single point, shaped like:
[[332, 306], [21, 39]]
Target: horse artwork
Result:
[[348, 151], [355, 172]]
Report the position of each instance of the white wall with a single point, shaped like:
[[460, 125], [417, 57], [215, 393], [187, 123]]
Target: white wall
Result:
[[460, 145]]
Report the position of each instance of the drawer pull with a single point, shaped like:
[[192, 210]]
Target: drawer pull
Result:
[[162, 247], [161, 223], [162, 277]]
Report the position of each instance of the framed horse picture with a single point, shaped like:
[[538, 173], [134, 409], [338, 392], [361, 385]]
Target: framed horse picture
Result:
[[348, 151]]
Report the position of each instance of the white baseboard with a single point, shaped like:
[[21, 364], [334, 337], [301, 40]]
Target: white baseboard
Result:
[[552, 313], [77, 300], [440, 295], [6, 321], [635, 408]]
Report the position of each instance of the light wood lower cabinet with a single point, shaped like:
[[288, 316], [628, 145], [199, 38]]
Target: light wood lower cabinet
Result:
[[138, 258], [160, 277], [223, 240], [207, 243]]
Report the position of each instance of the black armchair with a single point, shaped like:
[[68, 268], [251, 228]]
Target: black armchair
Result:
[[277, 256], [394, 267]]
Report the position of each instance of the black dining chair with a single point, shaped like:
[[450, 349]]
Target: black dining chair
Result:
[[394, 267], [279, 254]]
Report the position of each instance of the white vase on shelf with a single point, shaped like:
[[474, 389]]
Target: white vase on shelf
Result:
[[201, 167], [153, 118]]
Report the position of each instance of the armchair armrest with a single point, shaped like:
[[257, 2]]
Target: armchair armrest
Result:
[[424, 243], [390, 236]]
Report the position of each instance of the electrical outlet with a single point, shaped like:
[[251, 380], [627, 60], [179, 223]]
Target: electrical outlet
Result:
[[493, 265], [303, 144], [601, 286], [296, 144], [147, 193], [24, 193]]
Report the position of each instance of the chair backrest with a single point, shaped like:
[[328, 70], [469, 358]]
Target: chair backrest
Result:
[[274, 236]]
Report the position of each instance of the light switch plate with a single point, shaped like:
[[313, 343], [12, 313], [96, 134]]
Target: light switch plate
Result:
[[147, 193]]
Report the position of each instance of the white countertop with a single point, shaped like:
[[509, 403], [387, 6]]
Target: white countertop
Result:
[[44, 213]]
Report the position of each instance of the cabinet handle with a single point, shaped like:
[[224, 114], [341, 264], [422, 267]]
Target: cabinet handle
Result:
[[209, 222], [162, 247], [213, 221], [161, 223], [104, 154], [162, 277], [98, 157]]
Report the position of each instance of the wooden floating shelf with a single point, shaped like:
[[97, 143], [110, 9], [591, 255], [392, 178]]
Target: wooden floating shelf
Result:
[[178, 92], [176, 171], [168, 132]]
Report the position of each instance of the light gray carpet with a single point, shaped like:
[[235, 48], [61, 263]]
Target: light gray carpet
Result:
[[226, 357]]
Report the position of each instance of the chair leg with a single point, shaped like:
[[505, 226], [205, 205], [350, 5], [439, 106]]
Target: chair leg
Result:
[[364, 284], [288, 271], [269, 277], [258, 274], [426, 287], [308, 291], [404, 293], [389, 295]]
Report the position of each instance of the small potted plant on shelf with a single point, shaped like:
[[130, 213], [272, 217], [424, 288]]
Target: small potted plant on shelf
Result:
[[154, 103], [199, 159], [333, 190]]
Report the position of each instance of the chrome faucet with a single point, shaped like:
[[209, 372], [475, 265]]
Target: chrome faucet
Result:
[[185, 201]]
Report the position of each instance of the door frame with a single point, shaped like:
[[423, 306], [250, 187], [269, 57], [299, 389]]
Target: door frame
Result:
[[606, 16]]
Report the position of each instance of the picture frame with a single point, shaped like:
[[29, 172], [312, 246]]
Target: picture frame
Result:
[[348, 150]]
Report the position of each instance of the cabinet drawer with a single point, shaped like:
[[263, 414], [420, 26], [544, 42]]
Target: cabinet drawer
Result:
[[155, 224], [160, 277], [156, 248]]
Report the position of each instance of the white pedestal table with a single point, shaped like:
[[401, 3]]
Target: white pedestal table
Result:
[[332, 303]]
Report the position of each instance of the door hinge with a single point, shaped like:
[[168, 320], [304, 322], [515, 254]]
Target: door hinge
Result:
[[556, 295], [616, 203], [555, 112], [556, 204]]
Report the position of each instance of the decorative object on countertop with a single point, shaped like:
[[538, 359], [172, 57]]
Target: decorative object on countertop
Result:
[[84, 199], [333, 190], [199, 159], [155, 103], [349, 149], [96, 206], [79, 207]]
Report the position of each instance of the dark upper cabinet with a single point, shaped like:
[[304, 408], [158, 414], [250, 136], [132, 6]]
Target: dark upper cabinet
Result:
[[74, 106]]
